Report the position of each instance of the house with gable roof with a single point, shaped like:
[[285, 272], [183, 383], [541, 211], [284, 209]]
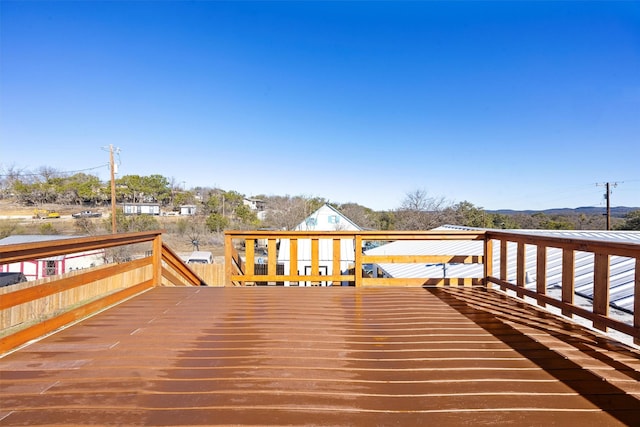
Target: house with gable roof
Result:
[[326, 218]]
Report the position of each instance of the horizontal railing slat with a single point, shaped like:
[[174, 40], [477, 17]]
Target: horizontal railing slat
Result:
[[426, 259], [22, 296]]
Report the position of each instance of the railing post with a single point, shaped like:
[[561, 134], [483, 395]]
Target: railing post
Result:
[[228, 258], [315, 259], [249, 257], [357, 268], [488, 260], [636, 300], [272, 258], [541, 273], [521, 273], [568, 279], [335, 268], [293, 257], [157, 260], [504, 256], [601, 288]]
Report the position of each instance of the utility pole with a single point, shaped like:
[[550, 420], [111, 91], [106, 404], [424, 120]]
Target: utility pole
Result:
[[114, 228], [607, 197]]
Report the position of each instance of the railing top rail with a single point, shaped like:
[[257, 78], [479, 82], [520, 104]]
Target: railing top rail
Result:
[[612, 247], [28, 251], [366, 235], [579, 244]]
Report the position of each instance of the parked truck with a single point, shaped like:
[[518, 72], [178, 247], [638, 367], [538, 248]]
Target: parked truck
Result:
[[87, 214]]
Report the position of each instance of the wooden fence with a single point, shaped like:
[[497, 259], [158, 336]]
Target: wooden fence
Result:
[[18, 316], [211, 274]]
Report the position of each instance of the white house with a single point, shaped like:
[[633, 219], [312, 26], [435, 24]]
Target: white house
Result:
[[141, 208], [187, 209], [326, 218], [51, 266], [254, 204]]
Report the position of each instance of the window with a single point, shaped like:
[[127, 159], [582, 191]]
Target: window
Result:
[[334, 219], [50, 268]]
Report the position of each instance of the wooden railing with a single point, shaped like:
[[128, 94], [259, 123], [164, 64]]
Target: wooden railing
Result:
[[27, 311], [295, 258], [602, 251], [309, 250]]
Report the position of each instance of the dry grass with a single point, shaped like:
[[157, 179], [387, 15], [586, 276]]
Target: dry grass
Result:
[[17, 219]]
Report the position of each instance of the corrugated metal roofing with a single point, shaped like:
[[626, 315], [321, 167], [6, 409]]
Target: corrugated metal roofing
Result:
[[430, 247], [31, 238], [35, 238], [621, 268]]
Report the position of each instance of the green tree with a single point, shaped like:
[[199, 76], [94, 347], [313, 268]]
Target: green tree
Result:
[[385, 221], [217, 222], [503, 222], [85, 188], [136, 189], [245, 216], [157, 186], [466, 214], [129, 188], [183, 198], [360, 215], [631, 221]]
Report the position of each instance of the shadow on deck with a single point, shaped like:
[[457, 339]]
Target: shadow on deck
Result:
[[322, 356]]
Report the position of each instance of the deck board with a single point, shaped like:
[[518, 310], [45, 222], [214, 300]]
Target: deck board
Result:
[[322, 356]]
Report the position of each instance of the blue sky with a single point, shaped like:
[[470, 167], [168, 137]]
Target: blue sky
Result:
[[520, 105]]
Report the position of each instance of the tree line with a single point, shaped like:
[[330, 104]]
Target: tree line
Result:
[[219, 210]]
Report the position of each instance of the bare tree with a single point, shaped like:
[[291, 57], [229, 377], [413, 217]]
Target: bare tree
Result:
[[418, 211], [9, 175], [286, 212]]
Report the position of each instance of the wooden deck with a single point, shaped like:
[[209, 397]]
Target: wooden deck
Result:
[[322, 356]]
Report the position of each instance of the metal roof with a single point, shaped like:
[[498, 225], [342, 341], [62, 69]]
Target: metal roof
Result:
[[32, 238], [621, 268]]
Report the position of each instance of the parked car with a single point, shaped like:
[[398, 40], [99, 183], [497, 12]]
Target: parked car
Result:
[[11, 278], [200, 257], [87, 214]]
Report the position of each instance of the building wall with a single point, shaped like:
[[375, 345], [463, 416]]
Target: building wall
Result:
[[38, 269], [324, 219], [141, 209]]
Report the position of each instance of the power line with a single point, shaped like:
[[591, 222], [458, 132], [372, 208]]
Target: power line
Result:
[[57, 172]]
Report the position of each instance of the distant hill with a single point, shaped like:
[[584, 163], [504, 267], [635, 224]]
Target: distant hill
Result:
[[616, 212]]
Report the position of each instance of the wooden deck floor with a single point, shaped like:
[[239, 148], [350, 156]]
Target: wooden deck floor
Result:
[[322, 356]]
